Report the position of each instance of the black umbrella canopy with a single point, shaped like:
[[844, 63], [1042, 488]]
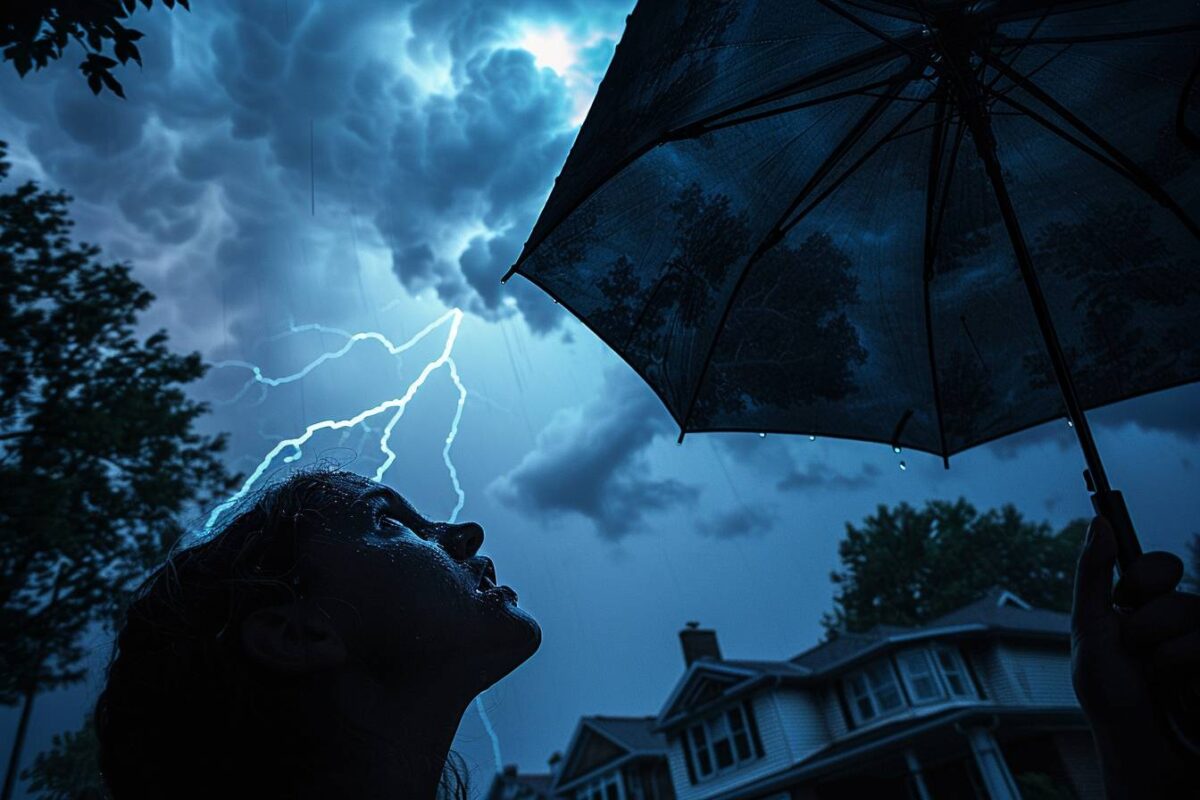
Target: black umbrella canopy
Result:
[[777, 211]]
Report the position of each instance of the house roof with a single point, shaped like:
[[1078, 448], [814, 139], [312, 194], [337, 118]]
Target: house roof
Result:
[[997, 612], [635, 734], [604, 741]]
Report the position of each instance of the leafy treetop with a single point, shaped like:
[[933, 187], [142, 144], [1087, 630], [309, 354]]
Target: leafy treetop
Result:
[[33, 32]]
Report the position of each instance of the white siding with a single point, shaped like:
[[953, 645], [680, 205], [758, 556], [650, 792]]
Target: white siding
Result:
[[831, 708], [1042, 674], [803, 722], [995, 674], [774, 711]]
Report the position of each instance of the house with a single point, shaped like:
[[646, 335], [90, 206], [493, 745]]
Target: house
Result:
[[614, 758], [977, 703], [512, 785]]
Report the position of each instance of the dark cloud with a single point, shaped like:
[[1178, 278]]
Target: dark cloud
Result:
[[420, 121], [822, 476], [738, 523], [592, 461], [1174, 411]]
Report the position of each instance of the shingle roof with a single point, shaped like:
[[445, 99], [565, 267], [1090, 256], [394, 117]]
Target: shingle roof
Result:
[[636, 734], [997, 610]]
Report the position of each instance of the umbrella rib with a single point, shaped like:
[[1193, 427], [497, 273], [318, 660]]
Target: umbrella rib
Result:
[[1128, 167], [1042, 120], [848, 66], [1102, 37], [890, 136], [869, 117], [701, 128], [933, 219], [868, 27]]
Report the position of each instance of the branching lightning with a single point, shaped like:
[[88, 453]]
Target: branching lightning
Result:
[[293, 447]]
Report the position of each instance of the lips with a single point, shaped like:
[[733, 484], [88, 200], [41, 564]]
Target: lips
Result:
[[486, 583]]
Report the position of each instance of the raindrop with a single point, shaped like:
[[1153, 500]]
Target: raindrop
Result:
[[1070, 424], [812, 438], [762, 435], [895, 448], [903, 466], [555, 302]]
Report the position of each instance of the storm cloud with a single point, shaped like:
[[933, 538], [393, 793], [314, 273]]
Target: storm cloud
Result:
[[262, 139], [592, 461]]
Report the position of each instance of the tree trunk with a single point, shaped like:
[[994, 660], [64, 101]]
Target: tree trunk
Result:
[[14, 758]]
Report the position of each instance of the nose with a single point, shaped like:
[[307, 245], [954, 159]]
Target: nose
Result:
[[461, 541]]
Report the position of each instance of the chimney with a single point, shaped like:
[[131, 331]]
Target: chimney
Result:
[[699, 643], [555, 762]]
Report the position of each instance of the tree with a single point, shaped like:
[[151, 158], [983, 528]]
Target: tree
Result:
[[69, 769], [34, 32], [906, 566], [100, 459]]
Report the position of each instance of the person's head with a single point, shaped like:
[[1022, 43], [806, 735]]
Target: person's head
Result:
[[323, 601]]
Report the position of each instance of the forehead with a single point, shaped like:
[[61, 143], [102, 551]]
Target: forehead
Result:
[[359, 489]]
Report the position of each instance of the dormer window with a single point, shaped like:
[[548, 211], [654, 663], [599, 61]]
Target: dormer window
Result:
[[873, 692], [722, 742], [929, 675], [954, 672]]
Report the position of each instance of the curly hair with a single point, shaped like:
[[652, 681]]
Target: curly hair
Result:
[[183, 713]]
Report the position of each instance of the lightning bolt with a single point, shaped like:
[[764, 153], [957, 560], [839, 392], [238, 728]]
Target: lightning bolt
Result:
[[294, 447]]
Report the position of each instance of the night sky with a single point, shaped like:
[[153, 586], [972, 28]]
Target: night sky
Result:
[[368, 166]]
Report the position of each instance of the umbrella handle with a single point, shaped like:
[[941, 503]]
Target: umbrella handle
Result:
[[1145, 576]]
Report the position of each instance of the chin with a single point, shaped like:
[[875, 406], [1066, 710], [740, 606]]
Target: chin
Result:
[[513, 638]]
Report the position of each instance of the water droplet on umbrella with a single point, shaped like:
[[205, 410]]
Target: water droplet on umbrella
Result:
[[762, 435], [1070, 424], [895, 448], [812, 438], [903, 466]]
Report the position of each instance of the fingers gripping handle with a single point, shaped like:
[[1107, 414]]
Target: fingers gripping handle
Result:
[[1143, 575], [1110, 504]]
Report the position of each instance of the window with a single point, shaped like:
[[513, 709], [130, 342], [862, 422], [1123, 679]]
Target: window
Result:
[[873, 691], [954, 672], [606, 787], [721, 742], [919, 677]]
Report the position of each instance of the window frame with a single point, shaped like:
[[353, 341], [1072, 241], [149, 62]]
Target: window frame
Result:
[[960, 671], [718, 727], [871, 693], [596, 788], [933, 674]]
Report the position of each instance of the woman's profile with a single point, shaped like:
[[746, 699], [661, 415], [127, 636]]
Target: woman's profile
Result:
[[324, 643]]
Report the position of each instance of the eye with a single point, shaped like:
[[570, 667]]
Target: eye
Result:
[[387, 521]]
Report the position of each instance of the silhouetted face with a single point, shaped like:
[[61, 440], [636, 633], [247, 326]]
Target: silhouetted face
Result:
[[407, 593]]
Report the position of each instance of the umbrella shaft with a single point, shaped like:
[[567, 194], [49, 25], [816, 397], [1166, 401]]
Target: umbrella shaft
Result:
[[1106, 501]]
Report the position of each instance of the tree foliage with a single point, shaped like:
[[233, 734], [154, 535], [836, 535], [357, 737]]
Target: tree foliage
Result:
[[69, 770], [907, 565], [100, 459], [35, 32]]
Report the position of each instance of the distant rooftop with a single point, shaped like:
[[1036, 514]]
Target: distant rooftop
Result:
[[636, 734], [998, 610]]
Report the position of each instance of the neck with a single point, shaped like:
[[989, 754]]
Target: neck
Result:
[[366, 739]]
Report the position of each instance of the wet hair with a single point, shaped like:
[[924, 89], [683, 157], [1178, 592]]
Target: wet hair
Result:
[[183, 712]]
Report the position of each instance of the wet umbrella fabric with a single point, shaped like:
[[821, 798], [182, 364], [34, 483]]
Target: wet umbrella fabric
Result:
[[777, 212]]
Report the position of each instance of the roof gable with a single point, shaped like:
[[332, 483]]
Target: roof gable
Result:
[[601, 741]]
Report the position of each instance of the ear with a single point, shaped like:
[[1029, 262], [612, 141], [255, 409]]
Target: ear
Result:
[[293, 638]]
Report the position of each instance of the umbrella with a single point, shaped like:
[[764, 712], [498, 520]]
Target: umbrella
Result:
[[929, 223]]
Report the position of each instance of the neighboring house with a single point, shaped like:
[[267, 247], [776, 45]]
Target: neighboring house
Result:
[[511, 785], [614, 758], [977, 703]]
